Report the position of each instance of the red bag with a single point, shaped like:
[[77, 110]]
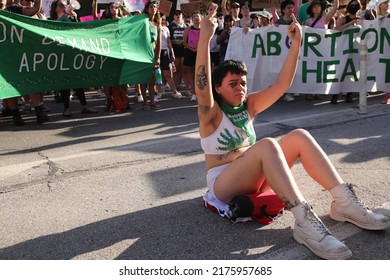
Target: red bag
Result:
[[263, 207], [117, 99]]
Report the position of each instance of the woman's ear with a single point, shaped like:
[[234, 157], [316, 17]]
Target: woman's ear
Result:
[[217, 89]]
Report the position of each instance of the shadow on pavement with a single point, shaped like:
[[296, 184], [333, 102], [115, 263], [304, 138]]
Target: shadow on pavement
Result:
[[181, 230]]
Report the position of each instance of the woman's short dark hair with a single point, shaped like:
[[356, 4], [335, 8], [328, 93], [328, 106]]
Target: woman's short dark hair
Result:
[[220, 72], [227, 18], [350, 3], [284, 4]]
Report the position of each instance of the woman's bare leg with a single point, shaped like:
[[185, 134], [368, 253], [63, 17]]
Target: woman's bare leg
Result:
[[178, 75], [143, 93], [246, 173], [190, 74], [299, 144], [170, 81], [266, 159]]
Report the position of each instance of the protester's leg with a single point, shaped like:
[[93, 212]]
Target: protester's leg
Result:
[[27, 103], [178, 75], [185, 76], [14, 106], [65, 96], [80, 93], [299, 144], [158, 93], [152, 92], [346, 206], [171, 83], [36, 103], [190, 73], [35, 99], [85, 109], [266, 159], [138, 93], [143, 93]]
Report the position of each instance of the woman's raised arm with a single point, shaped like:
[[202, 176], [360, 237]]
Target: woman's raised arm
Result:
[[203, 87], [261, 100]]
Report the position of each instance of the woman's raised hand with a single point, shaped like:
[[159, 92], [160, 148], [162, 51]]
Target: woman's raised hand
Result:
[[209, 23], [294, 31]]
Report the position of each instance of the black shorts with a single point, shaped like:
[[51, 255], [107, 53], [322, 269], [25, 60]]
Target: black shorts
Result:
[[189, 58], [164, 60], [178, 50]]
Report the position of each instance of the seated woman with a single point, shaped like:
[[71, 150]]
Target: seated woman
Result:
[[238, 165]]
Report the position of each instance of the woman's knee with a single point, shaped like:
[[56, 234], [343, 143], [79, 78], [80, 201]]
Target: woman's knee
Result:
[[267, 145], [300, 135]]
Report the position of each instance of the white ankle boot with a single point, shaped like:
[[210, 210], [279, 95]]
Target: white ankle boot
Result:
[[311, 232], [346, 207]]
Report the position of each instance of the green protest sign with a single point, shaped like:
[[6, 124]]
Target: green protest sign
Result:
[[40, 55]]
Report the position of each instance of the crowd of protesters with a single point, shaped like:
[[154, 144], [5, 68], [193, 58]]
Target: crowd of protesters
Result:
[[175, 46]]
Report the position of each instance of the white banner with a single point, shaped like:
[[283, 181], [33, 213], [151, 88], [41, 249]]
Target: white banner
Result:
[[329, 61]]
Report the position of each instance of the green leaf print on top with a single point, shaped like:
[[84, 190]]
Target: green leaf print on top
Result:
[[229, 141]]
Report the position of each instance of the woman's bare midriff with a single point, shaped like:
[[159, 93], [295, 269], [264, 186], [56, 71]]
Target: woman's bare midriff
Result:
[[217, 160]]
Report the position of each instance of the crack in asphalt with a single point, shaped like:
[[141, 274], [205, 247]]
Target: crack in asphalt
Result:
[[57, 173], [53, 170]]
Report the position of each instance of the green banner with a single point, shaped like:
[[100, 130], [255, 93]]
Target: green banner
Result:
[[41, 55]]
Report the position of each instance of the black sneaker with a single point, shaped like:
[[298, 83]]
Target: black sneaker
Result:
[[41, 116], [17, 118]]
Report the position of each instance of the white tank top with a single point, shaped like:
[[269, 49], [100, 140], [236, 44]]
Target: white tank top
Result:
[[227, 137]]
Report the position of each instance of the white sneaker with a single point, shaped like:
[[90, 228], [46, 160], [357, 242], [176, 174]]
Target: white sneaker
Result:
[[140, 99], [177, 95], [156, 100], [311, 232], [288, 97], [346, 207], [193, 97]]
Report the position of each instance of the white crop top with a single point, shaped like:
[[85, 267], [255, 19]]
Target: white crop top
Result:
[[227, 137]]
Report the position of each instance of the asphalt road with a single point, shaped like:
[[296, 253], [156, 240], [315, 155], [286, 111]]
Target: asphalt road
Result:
[[130, 185]]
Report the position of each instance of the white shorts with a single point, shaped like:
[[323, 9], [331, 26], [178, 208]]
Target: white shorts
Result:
[[210, 197]]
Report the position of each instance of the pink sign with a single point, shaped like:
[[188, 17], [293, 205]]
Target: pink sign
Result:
[[193, 38], [89, 18]]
